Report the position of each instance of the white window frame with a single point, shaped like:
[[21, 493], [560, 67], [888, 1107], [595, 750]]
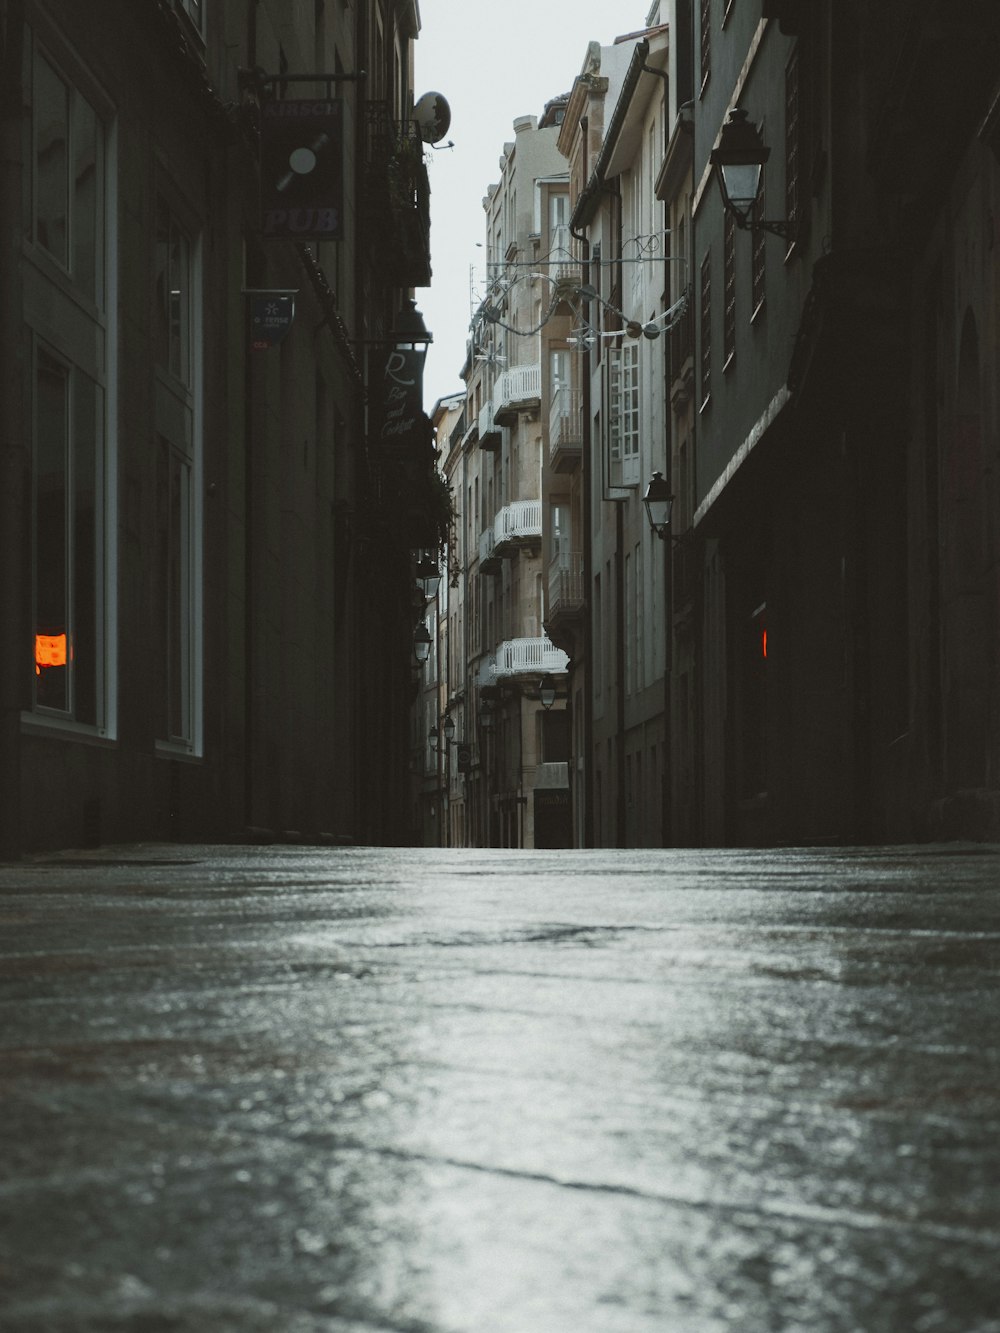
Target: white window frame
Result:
[[560, 239], [629, 408], [623, 399], [77, 329], [194, 12], [179, 427]]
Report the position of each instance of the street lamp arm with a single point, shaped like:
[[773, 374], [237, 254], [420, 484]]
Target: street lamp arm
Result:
[[788, 231]]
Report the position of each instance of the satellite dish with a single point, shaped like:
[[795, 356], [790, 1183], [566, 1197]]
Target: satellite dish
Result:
[[433, 116]]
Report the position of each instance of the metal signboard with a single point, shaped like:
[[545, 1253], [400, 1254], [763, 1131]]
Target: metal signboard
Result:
[[302, 169]]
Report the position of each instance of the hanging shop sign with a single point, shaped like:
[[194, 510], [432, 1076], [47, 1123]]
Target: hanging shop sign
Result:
[[302, 170], [271, 315], [403, 395]]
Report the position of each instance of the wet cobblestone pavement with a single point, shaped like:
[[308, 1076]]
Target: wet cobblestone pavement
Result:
[[303, 1090]]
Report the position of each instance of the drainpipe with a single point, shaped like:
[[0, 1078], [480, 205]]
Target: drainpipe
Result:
[[15, 458], [588, 537], [621, 802], [660, 74]]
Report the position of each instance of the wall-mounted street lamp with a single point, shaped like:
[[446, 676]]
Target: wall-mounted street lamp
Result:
[[421, 643], [410, 334], [658, 503], [428, 575], [739, 162], [547, 692], [447, 731]]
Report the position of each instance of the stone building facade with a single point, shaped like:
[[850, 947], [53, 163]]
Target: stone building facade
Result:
[[197, 511]]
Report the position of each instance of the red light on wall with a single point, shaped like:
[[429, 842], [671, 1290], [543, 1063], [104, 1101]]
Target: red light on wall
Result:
[[763, 642], [50, 651]]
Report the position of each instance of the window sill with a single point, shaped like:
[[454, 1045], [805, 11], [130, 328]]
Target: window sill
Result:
[[165, 750], [59, 728], [192, 33]]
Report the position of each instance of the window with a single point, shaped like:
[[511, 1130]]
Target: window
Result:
[[68, 208], [70, 390], [565, 424], [195, 9], [623, 414], [793, 143], [630, 626], [598, 646], [638, 619], [729, 291], [67, 528], [559, 235], [630, 409], [705, 330], [173, 296], [555, 738], [559, 532], [758, 255], [178, 511], [706, 41]]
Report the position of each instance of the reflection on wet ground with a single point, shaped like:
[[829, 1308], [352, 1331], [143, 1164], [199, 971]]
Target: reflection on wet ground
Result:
[[485, 1092]]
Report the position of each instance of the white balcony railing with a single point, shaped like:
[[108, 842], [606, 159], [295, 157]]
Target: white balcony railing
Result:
[[561, 266], [552, 775], [487, 671], [566, 581], [527, 657], [565, 419], [520, 385], [486, 544], [518, 521], [487, 426]]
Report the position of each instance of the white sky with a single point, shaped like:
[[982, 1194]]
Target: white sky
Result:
[[494, 60]]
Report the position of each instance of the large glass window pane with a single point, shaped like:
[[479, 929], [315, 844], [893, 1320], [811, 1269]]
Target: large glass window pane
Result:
[[85, 646], [177, 649], [180, 305], [86, 215], [51, 125], [51, 600], [66, 210], [174, 594], [162, 303], [630, 399], [173, 295]]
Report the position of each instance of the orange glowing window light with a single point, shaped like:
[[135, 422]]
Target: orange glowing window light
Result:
[[763, 642], [50, 651]]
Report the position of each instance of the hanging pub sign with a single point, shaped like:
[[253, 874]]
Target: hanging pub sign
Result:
[[301, 169], [271, 315]]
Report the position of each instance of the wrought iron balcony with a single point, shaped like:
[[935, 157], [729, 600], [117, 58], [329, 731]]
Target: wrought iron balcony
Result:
[[397, 198]]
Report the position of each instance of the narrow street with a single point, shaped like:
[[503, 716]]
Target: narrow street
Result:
[[304, 1090]]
